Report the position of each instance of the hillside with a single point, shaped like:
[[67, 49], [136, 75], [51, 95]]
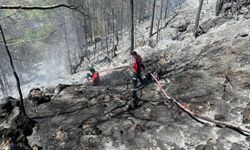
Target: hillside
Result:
[[208, 74]]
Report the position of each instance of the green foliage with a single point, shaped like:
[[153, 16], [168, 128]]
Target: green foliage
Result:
[[40, 32], [36, 14]]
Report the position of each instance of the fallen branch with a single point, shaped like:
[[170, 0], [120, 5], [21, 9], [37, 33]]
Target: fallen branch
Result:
[[9, 15], [33, 40], [166, 24], [73, 7]]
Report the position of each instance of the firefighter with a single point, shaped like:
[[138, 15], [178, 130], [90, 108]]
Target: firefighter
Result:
[[94, 76], [137, 68]]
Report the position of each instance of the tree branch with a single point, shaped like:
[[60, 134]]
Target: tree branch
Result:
[[73, 7], [166, 24], [15, 74]]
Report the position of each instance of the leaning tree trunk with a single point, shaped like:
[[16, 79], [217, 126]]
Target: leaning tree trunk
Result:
[[15, 74], [152, 20], [132, 24], [198, 16]]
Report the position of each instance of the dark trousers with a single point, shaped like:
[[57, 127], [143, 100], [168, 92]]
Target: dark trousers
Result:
[[135, 77]]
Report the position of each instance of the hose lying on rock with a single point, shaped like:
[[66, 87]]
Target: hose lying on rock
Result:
[[243, 130]]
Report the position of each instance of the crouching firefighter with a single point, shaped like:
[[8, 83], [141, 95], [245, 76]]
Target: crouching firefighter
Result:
[[137, 68], [94, 77]]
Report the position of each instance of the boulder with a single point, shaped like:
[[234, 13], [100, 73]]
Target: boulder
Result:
[[220, 117], [182, 27], [37, 96], [7, 106], [246, 116]]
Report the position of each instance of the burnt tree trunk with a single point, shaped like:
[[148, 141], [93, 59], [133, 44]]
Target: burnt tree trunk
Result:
[[132, 24], [15, 74], [79, 48], [122, 19], [237, 9], [107, 38], [142, 12], [2, 88], [5, 82], [159, 21], [219, 4], [166, 9], [198, 16], [113, 33], [67, 46], [152, 20]]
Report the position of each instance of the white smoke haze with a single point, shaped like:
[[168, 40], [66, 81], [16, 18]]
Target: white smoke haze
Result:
[[47, 62]]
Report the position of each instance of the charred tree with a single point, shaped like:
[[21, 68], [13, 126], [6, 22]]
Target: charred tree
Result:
[[237, 9], [107, 38], [15, 74], [159, 21], [152, 20], [121, 24], [2, 88], [67, 46], [5, 82], [198, 16], [142, 12], [166, 9], [219, 4], [132, 24]]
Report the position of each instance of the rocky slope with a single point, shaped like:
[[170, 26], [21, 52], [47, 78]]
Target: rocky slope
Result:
[[208, 74]]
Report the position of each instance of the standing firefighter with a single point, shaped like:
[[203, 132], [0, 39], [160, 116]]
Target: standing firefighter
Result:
[[137, 68], [94, 76]]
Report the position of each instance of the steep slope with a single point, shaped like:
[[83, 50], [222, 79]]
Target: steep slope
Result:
[[208, 74]]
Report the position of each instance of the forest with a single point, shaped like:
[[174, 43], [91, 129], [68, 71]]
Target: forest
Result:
[[48, 43], [196, 71]]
